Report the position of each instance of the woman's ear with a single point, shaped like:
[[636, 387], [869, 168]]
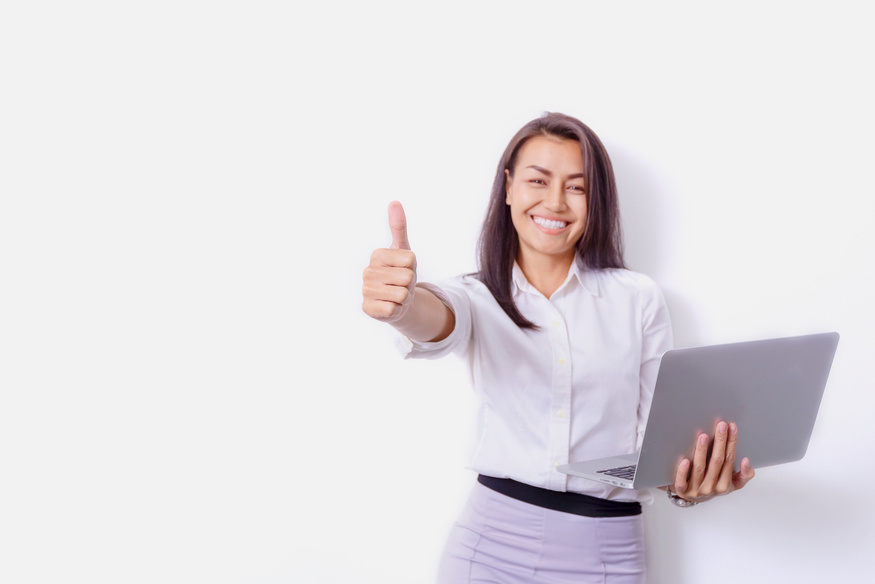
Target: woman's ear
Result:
[[507, 186]]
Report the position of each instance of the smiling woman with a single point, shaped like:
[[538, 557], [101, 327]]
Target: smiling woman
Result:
[[563, 345], [556, 139], [547, 200]]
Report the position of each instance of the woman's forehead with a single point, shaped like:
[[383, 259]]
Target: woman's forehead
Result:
[[551, 153]]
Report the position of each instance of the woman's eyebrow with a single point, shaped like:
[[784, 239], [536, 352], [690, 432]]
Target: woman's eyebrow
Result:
[[550, 173]]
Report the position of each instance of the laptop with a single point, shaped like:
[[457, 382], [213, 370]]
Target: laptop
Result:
[[771, 388]]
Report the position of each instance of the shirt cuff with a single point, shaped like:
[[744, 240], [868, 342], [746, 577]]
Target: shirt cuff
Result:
[[410, 348]]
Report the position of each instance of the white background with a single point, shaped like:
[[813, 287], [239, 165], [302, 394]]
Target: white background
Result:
[[189, 391]]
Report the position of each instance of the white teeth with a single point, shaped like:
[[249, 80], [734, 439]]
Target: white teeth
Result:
[[549, 224]]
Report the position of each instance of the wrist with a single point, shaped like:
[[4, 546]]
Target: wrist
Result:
[[679, 501]]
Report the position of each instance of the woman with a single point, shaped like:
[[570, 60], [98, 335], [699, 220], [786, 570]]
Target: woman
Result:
[[563, 346]]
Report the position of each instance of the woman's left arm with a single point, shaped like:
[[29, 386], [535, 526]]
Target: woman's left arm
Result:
[[712, 473]]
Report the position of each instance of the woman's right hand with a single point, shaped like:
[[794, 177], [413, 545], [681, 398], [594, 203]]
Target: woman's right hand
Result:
[[389, 281]]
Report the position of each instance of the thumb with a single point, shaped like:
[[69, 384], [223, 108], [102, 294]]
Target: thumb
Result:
[[398, 225]]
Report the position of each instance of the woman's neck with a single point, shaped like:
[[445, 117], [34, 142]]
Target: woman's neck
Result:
[[545, 273]]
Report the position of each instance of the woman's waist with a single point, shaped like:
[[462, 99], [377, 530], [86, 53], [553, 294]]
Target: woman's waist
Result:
[[566, 502]]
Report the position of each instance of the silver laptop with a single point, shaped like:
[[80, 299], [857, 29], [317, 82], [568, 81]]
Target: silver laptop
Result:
[[771, 389]]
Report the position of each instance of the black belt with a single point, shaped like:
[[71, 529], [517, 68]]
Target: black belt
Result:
[[574, 503]]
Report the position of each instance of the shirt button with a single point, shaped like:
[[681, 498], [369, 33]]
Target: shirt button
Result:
[[560, 413], [556, 464], [561, 361], [555, 323]]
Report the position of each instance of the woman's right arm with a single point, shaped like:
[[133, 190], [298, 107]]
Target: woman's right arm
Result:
[[390, 293]]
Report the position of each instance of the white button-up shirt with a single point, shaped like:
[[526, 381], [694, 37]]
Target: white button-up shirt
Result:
[[577, 388]]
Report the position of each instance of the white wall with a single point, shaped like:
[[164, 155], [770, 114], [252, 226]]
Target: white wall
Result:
[[189, 391]]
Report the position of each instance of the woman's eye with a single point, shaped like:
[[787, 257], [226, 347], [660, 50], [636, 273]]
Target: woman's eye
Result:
[[537, 181], [577, 188]]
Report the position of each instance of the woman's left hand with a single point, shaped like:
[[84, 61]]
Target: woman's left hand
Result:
[[712, 475]]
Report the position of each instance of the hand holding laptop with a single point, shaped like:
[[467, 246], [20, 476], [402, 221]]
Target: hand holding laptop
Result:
[[707, 476]]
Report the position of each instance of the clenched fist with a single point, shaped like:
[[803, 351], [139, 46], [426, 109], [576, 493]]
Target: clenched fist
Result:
[[389, 281]]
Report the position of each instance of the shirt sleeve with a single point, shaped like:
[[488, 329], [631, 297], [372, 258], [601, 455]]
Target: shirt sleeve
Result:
[[656, 340], [454, 295]]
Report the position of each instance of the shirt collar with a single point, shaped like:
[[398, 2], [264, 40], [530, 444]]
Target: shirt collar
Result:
[[587, 279], [519, 280]]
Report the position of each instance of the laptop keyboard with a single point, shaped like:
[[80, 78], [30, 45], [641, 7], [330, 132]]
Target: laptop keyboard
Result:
[[623, 472]]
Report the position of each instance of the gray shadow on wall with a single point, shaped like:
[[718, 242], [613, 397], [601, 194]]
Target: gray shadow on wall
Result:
[[647, 208]]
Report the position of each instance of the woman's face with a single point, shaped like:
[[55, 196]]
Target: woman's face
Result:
[[547, 198]]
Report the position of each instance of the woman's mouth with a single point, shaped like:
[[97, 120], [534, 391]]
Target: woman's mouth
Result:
[[549, 224]]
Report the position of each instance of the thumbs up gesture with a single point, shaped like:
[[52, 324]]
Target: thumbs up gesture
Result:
[[389, 281]]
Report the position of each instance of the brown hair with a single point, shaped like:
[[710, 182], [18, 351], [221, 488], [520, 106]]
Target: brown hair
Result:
[[600, 246]]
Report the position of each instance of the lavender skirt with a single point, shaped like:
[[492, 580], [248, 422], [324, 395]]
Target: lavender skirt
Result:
[[499, 540]]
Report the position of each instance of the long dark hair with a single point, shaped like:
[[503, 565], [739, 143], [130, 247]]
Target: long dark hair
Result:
[[601, 245]]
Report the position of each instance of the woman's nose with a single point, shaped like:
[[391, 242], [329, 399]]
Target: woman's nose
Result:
[[555, 200]]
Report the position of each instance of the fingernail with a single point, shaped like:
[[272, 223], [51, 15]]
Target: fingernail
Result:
[[733, 428], [721, 427], [703, 439]]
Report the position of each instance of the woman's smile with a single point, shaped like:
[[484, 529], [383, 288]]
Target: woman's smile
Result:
[[550, 226]]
